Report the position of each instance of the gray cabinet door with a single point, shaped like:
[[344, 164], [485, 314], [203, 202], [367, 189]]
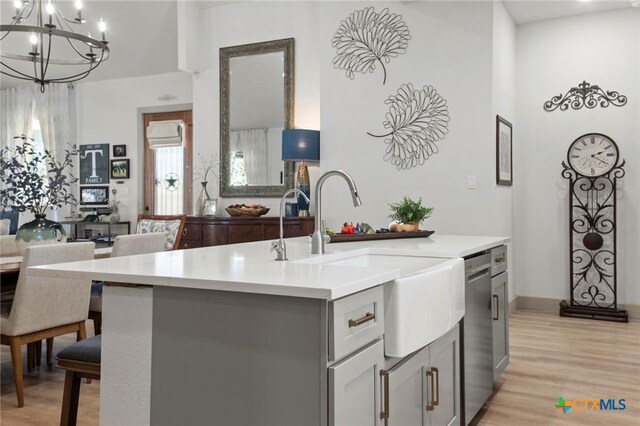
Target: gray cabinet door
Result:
[[444, 361], [407, 391], [354, 388], [500, 306]]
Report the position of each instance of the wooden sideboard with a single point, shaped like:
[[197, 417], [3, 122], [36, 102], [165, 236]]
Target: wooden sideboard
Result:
[[214, 231]]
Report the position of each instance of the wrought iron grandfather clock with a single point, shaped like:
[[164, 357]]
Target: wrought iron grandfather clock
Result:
[[592, 168]]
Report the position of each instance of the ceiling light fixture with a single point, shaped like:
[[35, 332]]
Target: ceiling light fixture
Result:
[[27, 44]]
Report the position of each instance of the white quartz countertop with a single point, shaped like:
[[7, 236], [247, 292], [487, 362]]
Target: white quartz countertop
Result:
[[251, 268]]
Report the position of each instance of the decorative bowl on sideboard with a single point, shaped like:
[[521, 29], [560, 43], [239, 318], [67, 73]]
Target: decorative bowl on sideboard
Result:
[[247, 210]]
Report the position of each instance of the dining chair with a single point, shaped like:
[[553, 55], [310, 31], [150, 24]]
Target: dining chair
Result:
[[172, 226], [8, 246], [42, 307], [5, 226], [123, 245]]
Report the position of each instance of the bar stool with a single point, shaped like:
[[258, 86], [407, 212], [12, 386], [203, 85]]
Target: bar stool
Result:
[[81, 359]]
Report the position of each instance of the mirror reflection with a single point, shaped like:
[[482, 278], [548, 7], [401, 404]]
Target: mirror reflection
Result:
[[256, 119], [256, 105]]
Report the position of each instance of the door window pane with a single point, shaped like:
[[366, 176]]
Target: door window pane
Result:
[[169, 181]]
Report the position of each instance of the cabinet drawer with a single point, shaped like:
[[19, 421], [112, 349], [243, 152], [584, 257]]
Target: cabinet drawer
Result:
[[355, 321], [498, 260], [191, 232]]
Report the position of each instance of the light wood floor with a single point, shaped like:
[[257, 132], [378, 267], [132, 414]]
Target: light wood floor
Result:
[[572, 358], [550, 357]]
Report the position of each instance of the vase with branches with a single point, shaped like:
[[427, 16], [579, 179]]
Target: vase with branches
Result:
[[206, 206], [33, 180]]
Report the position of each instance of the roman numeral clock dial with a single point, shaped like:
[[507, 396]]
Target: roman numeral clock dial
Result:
[[592, 168], [593, 155]]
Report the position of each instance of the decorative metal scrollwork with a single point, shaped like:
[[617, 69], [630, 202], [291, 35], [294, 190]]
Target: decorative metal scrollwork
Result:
[[585, 95], [593, 245]]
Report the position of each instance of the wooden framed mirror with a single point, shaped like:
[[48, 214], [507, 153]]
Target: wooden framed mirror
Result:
[[257, 84]]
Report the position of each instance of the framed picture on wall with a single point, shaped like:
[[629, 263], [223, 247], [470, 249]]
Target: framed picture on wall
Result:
[[504, 152], [119, 150], [94, 195], [94, 164], [120, 169]]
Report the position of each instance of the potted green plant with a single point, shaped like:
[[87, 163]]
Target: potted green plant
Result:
[[408, 214], [33, 180]]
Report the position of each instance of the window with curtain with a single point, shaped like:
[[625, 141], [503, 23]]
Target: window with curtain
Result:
[[44, 117]]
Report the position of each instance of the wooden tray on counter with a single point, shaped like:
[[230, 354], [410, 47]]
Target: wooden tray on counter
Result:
[[344, 238]]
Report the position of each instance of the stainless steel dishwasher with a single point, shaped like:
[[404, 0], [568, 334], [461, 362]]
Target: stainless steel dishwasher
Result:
[[477, 335]]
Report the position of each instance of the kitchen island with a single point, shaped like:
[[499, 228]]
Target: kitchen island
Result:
[[226, 335]]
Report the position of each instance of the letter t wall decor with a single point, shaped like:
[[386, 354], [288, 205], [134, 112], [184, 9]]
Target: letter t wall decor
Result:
[[94, 164]]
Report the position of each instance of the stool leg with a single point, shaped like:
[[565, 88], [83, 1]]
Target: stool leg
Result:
[[31, 356], [49, 351], [69, 414], [38, 353]]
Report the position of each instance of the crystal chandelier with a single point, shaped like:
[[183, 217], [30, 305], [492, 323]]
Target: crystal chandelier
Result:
[[39, 35]]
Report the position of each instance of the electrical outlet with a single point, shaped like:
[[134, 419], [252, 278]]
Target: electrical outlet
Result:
[[471, 182]]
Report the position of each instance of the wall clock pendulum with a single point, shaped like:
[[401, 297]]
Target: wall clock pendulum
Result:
[[592, 168]]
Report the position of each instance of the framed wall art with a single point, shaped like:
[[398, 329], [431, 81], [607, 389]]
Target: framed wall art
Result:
[[94, 195], [119, 150], [94, 164], [120, 169], [504, 152]]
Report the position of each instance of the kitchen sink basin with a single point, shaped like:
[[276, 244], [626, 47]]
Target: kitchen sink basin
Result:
[[426, 301]]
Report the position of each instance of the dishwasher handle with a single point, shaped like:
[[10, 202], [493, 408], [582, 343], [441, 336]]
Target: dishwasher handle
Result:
[[478, 273]]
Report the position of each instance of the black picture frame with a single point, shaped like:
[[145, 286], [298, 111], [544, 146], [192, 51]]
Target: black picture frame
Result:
[[94, 195], [94, 164], [120, 169], [504, 152], [119, 150]]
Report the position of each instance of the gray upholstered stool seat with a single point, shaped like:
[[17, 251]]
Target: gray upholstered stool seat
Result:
[[87, 350], [81, 359]]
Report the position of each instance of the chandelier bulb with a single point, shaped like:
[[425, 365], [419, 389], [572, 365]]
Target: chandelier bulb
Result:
[[18, 4], [78, 5], [34, 38], [50, 8], [102, 26]]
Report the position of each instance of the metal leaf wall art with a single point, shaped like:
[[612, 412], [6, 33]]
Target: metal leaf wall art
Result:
[[416, 120], [366, 38], [585, 95]]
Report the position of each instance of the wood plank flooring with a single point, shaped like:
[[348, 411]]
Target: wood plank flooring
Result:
[[550, 357], [568, 357]]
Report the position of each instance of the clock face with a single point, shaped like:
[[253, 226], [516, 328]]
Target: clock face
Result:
[[593, 155]]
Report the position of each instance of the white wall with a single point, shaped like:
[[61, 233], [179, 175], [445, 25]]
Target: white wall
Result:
[[107, 112], [450, 48], [553, 56], [504, 104]]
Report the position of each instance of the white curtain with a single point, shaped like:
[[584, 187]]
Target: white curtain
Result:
[[253, 145], [20, 105]]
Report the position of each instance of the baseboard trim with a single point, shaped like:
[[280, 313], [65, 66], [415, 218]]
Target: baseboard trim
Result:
[[544, 304], [513, 306]]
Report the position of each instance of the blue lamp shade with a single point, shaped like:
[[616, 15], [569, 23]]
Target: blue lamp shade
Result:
[[300, 145]]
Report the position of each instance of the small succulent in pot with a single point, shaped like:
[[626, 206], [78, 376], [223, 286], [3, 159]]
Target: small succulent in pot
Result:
[[408, 214]]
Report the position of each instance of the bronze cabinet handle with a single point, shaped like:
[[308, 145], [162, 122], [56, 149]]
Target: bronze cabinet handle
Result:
[[185, 232], [497, 299], [384, 414], [366, 318], [436, 402], [431, 406]]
